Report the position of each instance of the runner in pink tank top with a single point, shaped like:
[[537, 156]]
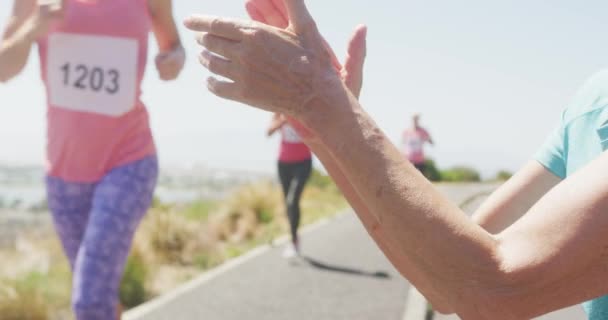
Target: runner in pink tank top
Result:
[[295, 166], [102, 167], [414, 139]]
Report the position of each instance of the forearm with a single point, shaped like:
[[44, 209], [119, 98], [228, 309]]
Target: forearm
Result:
[[557, 253], [167, 41], [275, 126], [372, 225], [14, 51], [163, 25], [440, 241], [515, 197]]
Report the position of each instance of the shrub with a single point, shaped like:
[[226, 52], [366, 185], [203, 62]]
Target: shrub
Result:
[[166, 234], [320, 180], [503, 175], [431, 171], [22, 299], [206, 259], [199, 210], [133, 285], [460, 174], [248, 208]]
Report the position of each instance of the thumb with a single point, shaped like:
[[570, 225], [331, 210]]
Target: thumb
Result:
[[299, 16], [355, 60]]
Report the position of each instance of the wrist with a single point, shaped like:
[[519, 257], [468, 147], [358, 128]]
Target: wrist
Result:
[[330, 111], [31, 30], [175, 48]]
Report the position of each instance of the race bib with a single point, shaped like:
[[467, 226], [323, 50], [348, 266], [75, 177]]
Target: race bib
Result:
[[414, 146], [95, 74], [290, 135]]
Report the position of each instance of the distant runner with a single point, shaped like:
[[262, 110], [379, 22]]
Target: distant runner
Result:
[[414, 139], [295, 166]]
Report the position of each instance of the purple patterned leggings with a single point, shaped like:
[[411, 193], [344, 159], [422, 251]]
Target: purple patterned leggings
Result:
[[96, 223]]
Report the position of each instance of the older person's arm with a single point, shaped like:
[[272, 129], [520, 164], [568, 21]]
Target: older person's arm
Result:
[[533, 267], [273, 12]]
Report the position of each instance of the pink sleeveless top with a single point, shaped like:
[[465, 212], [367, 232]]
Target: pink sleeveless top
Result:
[[292, 148], [92, 64], [413, 141]]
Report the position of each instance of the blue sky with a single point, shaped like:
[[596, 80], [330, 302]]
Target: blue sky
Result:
[[489, 77]]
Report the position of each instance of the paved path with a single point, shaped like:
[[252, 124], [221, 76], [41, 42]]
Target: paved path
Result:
[[345, 277], [574, 313]]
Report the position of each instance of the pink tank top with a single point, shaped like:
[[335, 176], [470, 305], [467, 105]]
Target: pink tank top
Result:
[[413, 144], [292, 148], [92, 64]]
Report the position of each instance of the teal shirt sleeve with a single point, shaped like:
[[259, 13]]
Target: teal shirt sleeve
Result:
[[552, 155]]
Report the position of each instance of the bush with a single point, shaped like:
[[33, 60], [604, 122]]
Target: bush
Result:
[[503, 175], [199, 210], [133, 285], [431, 171], [460, 174], [22, 299], [320, 180], [167, 234], [206, 259], [247, 209]]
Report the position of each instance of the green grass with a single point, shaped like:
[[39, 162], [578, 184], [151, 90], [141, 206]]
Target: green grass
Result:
[[133, 284], [199, 210]]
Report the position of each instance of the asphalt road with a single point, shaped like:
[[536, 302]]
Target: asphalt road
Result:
[[343, 276]]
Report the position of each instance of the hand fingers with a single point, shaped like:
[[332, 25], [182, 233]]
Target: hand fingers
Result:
[[272, 15], [300, 17], [355, 60], [220, 46], [357, 47], [223, 89], [280, 4], [334, 59], [218, 65], [254, 13], [222, 27]]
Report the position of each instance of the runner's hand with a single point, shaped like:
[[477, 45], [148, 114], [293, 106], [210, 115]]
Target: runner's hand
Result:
[[170, 64], [45, 15]]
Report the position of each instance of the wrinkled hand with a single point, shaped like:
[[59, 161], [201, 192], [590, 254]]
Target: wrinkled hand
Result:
[[279, 70], [274, 13], [170, 64], [46, 13]]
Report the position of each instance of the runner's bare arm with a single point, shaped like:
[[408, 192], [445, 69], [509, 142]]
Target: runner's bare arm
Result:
[[17, 39], [430, 139], [515, 197], [171, 58], [163, 25], [276, 123], [527, 270]]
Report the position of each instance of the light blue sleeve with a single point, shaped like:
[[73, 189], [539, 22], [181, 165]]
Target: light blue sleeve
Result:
[[552, 154]]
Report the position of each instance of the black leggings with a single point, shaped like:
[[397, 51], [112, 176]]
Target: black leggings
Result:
[[293, 179]]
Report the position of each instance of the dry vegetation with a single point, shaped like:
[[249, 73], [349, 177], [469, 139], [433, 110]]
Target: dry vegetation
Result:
[[173, 244]]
